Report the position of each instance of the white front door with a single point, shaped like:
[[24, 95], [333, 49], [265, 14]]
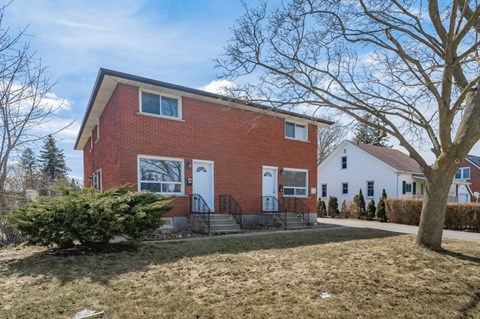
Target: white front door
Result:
[[269, 189], [203, 181]]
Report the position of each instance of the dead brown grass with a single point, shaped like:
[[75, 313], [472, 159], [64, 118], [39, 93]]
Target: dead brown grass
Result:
[[370, 274]]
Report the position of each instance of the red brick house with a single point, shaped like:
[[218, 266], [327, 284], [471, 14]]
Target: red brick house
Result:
[[470, 172], [232, 155]]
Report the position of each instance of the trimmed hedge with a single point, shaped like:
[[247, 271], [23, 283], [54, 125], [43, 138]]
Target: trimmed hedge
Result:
[[459, 216]]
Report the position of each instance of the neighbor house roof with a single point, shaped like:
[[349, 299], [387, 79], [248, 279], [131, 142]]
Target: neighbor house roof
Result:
[[392, 157], [475, 160], [108, 79]]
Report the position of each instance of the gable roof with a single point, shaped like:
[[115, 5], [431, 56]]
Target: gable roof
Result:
[[108, 79], [396, 159], [475, 160]]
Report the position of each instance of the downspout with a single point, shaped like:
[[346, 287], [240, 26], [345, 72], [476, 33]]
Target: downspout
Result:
[[396, 186]]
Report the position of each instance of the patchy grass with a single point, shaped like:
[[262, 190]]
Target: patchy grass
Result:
[[369, 273]]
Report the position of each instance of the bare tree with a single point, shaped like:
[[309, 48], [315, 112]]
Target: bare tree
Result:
[[24, 92], [328, 139], [413, 66]]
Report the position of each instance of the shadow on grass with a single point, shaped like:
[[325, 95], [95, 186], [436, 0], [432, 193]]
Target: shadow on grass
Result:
[[460, 256], [103, 267]]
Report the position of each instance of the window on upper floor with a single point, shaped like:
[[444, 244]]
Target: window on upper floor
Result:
[[97, 132], [161, 175], [296, 131], [344, 162], [295, 183], [160, 105], [463, 173]]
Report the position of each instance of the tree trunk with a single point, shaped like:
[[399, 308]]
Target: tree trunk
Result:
[[432, 219]]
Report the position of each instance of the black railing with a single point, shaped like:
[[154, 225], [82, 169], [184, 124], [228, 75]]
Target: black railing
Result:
[[270, 204], [228, 205], [297, 206], [199, 206]]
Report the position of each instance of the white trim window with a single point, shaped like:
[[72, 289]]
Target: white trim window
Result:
[[160, 105], [295, 182], [344, 188], [97, 179], [370, 188], [97, 132], [161, 175], [296, 131], [463, 173], [324, 190]]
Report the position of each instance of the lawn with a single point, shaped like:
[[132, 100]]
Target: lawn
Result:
[[369, 273]]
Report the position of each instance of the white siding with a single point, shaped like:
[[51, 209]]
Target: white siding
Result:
[[361, 167]]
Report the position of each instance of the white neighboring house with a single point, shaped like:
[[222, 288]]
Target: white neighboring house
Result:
[[353, 166]]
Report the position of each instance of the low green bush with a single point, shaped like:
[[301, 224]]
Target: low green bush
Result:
[[90, 217], [460, 216]]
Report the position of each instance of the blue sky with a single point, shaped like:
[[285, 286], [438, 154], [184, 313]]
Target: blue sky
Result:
[[170, 40]]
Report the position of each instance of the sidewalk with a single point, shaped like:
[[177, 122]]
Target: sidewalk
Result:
[[399, 228]]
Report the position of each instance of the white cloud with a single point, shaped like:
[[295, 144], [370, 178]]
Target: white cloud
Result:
[[218, 86]]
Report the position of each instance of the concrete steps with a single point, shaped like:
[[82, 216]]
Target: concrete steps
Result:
[[219, 224], [294, 221]]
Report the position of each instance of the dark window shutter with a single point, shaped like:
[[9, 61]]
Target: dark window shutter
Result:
[[404, 187], [414, 191]]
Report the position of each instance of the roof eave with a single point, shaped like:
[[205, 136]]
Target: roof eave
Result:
[[107, 72]]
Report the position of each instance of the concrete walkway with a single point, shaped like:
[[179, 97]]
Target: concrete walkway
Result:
[[399, 228]]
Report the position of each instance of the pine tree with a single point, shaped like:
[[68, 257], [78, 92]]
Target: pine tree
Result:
[[381, 212], [371, 209], [29, 165], [370, 135], [359, 201], [52, 161], [332, 206]]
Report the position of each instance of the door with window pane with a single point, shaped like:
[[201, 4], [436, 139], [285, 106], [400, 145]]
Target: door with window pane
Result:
[[269, 189], [203, 181]]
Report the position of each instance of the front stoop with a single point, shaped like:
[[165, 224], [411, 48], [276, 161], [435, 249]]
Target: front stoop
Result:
[[219, 224], [294, 221]]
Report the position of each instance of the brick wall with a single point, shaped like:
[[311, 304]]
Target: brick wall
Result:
[[239, 142]]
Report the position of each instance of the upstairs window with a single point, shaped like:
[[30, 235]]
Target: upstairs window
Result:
[[296, 131], [463, 173], [156, 104], [295, 183], [344, 162]]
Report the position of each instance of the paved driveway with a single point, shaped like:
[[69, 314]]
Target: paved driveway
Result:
[[399, 228]]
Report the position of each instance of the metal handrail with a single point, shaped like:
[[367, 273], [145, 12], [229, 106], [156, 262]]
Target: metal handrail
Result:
[[199, 206], [228, 205], [296, 205], [271, 204]]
